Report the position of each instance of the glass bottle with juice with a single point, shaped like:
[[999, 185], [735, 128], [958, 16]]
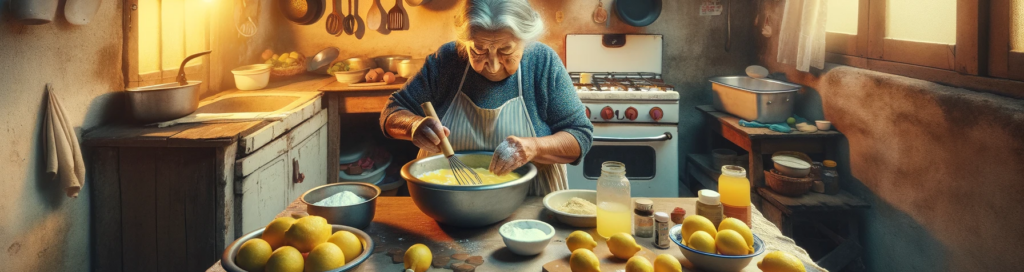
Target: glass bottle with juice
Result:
[[734, 188], [614, 214]]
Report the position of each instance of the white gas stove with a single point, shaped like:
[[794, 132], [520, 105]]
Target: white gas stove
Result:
[[634, 112]]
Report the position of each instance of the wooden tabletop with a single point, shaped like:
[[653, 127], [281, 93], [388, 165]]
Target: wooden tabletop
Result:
[[336, 86], [399, 224], [733, 123], [813, 202]]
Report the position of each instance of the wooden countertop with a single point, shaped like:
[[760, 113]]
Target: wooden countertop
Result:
[[399, 224], [335, 86], [198, 135]]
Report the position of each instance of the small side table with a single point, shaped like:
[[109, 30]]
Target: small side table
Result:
[[811, 208]]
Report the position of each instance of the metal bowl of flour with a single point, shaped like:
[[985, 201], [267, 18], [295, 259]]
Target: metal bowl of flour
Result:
[[357, 215]]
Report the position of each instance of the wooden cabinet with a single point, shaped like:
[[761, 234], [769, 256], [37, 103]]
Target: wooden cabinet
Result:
[[171, 199]]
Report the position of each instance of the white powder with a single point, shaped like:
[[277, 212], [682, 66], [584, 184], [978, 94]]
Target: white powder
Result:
[[340, 199], [527, 234], [507, 151]]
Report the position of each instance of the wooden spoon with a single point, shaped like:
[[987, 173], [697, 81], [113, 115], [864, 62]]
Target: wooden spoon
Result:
[[373, 17], [333, 22]]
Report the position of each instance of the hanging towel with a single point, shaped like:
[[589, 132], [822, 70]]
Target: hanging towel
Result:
[[63, 155], [802, 34]]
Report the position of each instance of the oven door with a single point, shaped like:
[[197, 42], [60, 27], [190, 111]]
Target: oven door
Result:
[[650, 153]]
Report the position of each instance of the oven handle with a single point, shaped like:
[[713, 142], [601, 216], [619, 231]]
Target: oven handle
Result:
[[664, 137]]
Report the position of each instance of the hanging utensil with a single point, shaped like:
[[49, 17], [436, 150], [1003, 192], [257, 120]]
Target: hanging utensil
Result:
[[246, 27], [374, 18], [728, 26], [80, 12], [333, 22], [350, 21], [638, 13], [34, 12], [397, 18], [360, 26], [600, 14]]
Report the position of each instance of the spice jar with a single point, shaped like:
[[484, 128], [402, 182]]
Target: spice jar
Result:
[[661, 230], [709, 205], [643, 218], [830, 177]]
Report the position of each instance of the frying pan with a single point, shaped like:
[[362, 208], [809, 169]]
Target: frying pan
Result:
[[638, 13], [314, 10]]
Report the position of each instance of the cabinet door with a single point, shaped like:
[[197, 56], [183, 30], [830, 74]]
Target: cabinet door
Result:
[[262, 195], [309, 159]]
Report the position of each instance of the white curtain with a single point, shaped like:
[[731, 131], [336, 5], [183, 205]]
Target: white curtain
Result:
[[802, 34]]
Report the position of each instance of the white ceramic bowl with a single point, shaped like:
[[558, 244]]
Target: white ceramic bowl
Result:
[[351, 76], [252, 77], [556, 199], [791, 166], [714, 262], [823, 125], [526, 247]]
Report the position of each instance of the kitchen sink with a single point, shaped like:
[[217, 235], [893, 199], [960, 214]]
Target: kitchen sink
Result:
[[246, 106]]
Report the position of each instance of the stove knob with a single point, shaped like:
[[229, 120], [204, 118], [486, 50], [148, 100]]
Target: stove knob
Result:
[[657, 113], [607, 113], [631, 113], [588, 112]]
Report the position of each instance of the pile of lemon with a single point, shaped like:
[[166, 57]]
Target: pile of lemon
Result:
[[286, 239], [622, 246], [732, 237]]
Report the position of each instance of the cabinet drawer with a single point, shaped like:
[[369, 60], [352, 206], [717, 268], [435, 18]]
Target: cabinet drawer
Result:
[[260, 196], [309, 160], [249, 164]]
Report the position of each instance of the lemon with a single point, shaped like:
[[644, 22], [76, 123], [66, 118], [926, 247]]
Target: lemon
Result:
[[622, 245], [348, 243], [418, 258], [580, 239], [741, 228], [778, 261], [584, 260], [285, 259], [730, 242], [274, 233], [307, 233], [667, 263], [694, 223], [294, 55], [253, 255], [702, 241], [324, 257], [638, 264], [283, 57]]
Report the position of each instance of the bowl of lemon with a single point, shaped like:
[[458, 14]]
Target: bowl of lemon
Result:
[[305, 244], [730, 247]]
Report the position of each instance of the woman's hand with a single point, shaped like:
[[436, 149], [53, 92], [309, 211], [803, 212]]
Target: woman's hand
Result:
[[426, 134], [511, 154]]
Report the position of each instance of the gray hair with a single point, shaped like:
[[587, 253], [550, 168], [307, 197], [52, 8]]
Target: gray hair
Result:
[[492, 15]]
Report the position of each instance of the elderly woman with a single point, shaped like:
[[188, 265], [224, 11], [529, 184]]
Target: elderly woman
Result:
[[495, 88]]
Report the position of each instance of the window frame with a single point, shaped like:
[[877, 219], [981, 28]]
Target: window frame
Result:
[[851, 45], [1002, 61], [130, 52]]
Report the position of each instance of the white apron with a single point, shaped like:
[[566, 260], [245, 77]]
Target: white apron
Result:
[[478, 129]]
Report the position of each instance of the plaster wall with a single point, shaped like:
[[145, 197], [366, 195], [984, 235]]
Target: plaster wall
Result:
[[40, 228], [940, 165], [694, 45]]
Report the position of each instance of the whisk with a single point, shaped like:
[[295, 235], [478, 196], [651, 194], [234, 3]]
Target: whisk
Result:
[[464, 175]]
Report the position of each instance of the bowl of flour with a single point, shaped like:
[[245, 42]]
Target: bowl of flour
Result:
[[350, 204]]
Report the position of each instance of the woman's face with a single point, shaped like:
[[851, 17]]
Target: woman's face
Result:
[[494, 54]]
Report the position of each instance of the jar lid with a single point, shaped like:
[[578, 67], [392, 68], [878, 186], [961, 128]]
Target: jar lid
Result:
[[661, 217], [643, 204], [734, 171], [708, 197], [829, 163]]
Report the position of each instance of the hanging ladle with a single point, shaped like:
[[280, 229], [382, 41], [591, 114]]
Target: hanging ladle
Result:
[[181, 70]]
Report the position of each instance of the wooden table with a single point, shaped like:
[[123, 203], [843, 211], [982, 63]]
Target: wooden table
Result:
[[399, 224], [783, 211]]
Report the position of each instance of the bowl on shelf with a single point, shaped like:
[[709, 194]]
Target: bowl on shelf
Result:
[[367, 176], [712, 261], [526, 247], [823, 125], [466, 205], [556, 199], [357, 215], [252, 77], [792, 164], [390, 62], [228, 257], [350, 77]]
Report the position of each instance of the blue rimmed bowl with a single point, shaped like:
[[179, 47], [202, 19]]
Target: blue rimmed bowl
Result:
[[714, 262]]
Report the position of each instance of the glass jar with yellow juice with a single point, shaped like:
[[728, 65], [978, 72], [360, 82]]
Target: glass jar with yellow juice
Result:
[[614, 214]]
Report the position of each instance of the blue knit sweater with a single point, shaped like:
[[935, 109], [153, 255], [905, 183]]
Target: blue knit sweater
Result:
[[547, 90]]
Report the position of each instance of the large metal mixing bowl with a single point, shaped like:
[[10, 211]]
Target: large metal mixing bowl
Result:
[[466, 206]]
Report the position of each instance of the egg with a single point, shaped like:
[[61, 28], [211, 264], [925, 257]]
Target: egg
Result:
[[372, 76], [389, 77], [380, 71]]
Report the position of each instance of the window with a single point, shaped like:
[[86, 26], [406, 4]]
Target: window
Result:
[[161, 34], [846, 28], [1006, 47]]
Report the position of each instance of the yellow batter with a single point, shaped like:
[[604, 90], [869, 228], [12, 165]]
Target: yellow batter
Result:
[[445, 177]]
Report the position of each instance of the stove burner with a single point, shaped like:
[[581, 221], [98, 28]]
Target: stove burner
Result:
[[622, 82]]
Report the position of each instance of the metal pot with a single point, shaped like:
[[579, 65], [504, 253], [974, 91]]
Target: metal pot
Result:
[[762, 100], [410, 67], [169, 101], [466, 206], [390, 63]]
